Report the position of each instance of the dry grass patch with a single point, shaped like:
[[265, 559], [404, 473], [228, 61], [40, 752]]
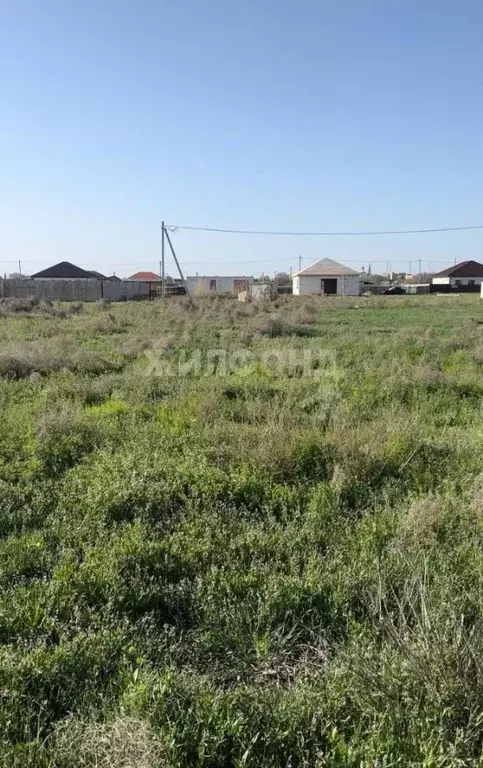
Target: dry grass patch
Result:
[[419, 525], [124, 743], [24, 358]]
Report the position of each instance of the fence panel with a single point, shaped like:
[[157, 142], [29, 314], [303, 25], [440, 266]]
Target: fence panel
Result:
[[53, 290], [125, 291], [73, 290]]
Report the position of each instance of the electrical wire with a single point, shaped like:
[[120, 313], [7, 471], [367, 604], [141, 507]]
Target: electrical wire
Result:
[[175, 227]]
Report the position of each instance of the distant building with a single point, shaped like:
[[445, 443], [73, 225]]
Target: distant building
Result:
[[201, 284], [328, 278], [466, 276], [64, 270], [398, 276], [147, 277]]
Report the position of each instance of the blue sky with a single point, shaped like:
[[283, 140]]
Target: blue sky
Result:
[[263, 114]]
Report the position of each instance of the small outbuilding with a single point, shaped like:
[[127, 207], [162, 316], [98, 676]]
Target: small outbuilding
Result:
[[202, 284], [327, 278], [466, 276]]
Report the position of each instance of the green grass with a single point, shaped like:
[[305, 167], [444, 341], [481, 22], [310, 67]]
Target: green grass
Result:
[[242, 535]]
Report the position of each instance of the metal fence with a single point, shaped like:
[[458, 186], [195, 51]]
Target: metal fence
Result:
[[74, 290], [126, 290]]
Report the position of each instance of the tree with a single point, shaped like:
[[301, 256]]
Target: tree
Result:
[[282, 278]]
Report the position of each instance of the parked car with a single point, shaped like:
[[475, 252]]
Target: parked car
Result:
[[395, 290]]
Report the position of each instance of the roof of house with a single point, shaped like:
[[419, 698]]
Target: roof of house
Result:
[[463, 269], [326, 267], [98, 275], [149, 277], [67, 270]]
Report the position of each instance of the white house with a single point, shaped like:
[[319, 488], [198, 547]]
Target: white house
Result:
[[467, 275], [326, 277], [201, 284]]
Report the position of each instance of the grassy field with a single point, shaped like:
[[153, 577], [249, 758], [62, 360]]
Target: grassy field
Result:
[[242, 535]]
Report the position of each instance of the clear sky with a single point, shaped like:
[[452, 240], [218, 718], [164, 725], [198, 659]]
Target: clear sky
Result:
[[262, 114]]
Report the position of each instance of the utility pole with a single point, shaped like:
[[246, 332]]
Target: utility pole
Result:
[[300, 262], [419, 273], [177, 264], [163, 292], [19, 267], [410, 267]]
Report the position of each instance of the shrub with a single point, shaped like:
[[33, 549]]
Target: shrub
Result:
[[307, 315], [16, 306], [272, 326], [14, 366], [75, 308]]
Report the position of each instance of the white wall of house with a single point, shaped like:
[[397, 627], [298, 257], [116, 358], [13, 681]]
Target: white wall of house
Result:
[[347, 285], [199, 285]]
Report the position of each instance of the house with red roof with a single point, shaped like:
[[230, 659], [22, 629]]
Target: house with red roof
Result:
[[147, 277]]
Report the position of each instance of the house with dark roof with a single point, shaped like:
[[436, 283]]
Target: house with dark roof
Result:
[[326, 277], [64, 270], [147, 277], [466, 276]]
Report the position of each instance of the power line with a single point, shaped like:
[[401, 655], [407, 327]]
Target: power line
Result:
[[249, 261], [203, 263], [174, 227], [15, 261]]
